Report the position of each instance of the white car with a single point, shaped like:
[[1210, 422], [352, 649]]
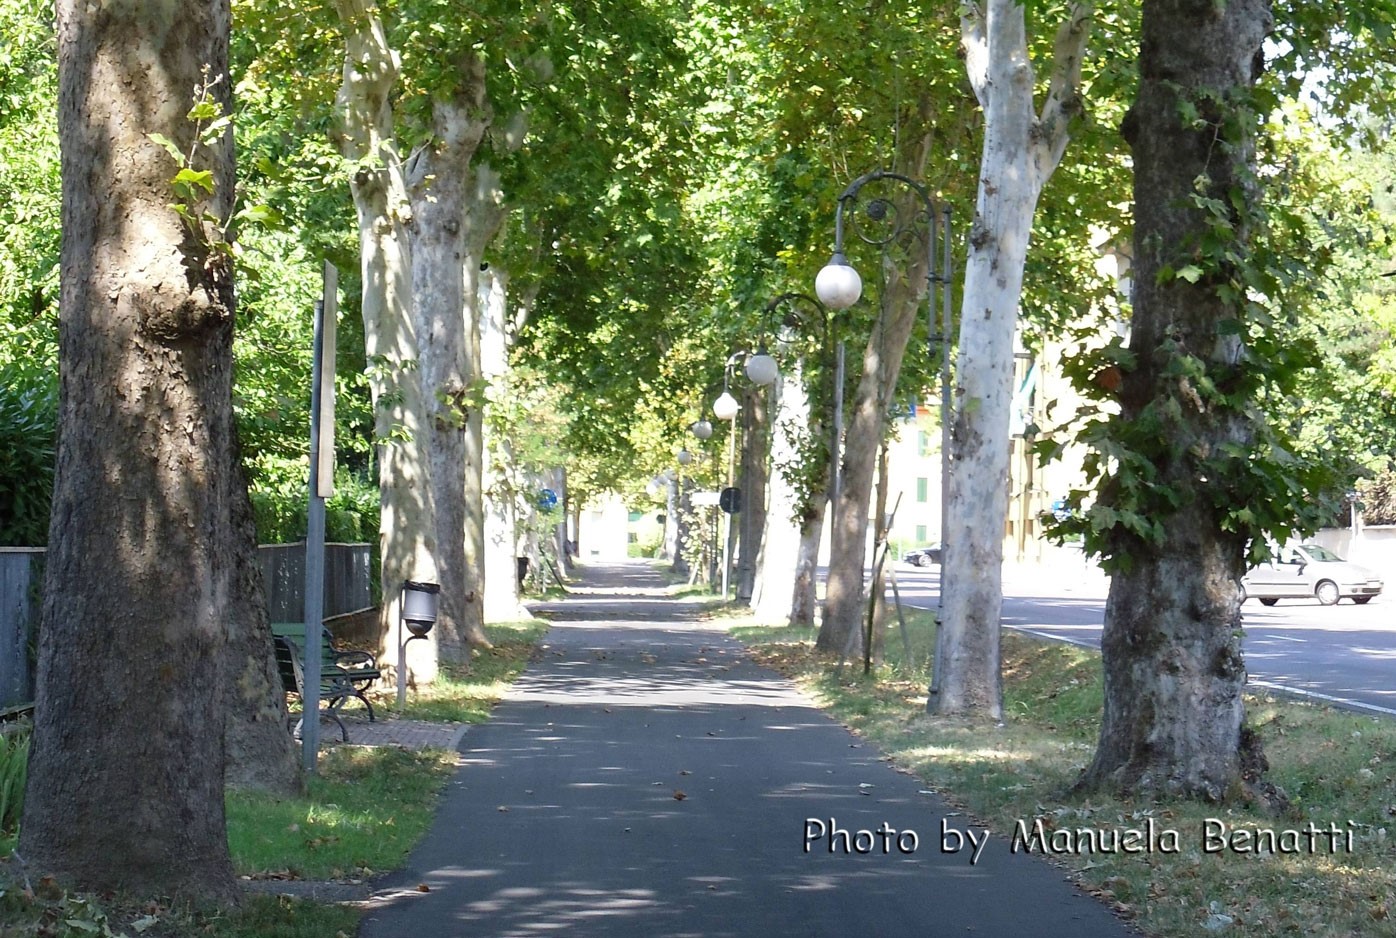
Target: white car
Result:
[[1309, 570]]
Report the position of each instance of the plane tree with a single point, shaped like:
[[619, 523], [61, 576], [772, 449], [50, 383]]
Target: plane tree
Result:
[[126, 778], [1191, 477]]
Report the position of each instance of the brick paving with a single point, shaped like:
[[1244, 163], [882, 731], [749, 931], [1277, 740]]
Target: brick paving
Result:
[[410, 734]]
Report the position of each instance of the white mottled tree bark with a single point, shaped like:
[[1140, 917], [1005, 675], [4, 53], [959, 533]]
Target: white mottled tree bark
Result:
[[780, 541], [502, 509], [407, 536], [1021, 149], [438, 177]]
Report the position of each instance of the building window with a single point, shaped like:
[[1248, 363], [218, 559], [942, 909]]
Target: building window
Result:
[[920, 534], [923, 487], [636, 516], [923, 443]]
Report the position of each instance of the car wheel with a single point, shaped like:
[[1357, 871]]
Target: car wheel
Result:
[[922, 560], [1241, 588], [1327, 592], [1362, 600], [1269, 601]]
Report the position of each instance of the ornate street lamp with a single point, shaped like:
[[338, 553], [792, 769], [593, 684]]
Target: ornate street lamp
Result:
[[839, 287]]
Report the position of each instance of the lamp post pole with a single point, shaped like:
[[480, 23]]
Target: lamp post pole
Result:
[[727, 408], [839, 286]]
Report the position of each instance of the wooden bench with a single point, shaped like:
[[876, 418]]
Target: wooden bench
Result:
[[288, 663], [343, 674]]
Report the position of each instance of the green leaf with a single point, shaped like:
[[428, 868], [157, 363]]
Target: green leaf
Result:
[[215, 129], [204, 110], [1191, 273], [260, 215], [202, 178]]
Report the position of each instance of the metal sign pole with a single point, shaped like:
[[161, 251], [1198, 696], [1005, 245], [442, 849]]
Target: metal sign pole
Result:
[[321, 485]]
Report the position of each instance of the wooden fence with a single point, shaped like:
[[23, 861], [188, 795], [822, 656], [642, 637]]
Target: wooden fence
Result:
[[347, 588]]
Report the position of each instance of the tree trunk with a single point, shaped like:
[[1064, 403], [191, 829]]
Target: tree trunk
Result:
[[437, 179], [780, 538], [483, 217], [904, 287], [1171, 646], [126, 774], [1020, 152], [805, 597], [260, 753], [508, 495], [683, 526], [755, 463], [407, 536]]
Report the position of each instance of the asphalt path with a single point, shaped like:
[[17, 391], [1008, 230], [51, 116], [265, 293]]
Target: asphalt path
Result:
[[1343, 654], [645, 779]]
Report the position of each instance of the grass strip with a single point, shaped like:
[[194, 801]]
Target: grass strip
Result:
[[360, 815], [1336, 767], [467, 694]]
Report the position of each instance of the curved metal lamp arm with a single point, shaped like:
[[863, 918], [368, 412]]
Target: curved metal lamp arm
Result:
[[928, 204]]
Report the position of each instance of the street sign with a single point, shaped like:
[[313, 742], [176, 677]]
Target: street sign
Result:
[[730, 500]]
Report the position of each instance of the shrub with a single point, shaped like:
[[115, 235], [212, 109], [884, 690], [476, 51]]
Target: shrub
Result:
[[14, 767], [278, 489], [28, 437]]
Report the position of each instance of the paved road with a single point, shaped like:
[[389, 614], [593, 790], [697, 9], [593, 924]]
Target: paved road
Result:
[[644, 778], [1345, 654]]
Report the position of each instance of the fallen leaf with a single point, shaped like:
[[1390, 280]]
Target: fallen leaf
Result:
[[679, 796], [423, 887]]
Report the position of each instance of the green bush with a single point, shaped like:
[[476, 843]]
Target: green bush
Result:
[[14, 767], [28, 437], [278, 489]]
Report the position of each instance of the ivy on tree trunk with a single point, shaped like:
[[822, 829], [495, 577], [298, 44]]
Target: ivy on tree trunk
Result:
[[1174, 673]]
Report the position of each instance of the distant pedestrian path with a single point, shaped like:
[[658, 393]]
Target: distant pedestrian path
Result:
[[645, 778]]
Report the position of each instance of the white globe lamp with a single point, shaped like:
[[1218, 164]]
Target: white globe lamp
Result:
[[838, 285], [761, 368], [726, 406]]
